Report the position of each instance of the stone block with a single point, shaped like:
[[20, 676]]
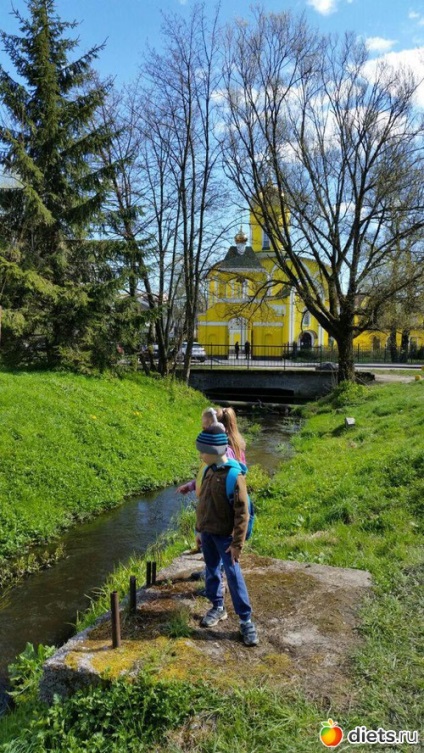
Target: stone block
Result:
[[306, 616]]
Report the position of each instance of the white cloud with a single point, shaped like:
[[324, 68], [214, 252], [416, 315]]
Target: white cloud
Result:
[[325, 7], [379, 44], [418, 17], [413, 59]]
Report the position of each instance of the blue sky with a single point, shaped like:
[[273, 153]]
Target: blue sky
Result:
[[394, 27]]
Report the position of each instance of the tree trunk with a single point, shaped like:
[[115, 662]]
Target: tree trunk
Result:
[[404, 346], [393, 345], [346, 363]]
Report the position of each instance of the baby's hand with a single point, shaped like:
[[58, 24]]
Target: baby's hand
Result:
[[184, 488]]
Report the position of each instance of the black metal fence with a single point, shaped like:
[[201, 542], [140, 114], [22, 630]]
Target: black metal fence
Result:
[[293, 355]]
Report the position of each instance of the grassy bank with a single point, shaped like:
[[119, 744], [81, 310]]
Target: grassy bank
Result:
[[351, 498], [71, 446]]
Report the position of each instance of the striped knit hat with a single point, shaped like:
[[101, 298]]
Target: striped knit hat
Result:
[[212, 441]]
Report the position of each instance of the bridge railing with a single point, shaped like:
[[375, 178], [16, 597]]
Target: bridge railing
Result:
[[287, 356]]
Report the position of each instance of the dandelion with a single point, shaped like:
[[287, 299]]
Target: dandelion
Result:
[[136, 412], [94, 418]]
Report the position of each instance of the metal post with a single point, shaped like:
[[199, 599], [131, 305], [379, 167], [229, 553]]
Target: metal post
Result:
[[116, 625], [153, 573], [148, 573], [133, 594]]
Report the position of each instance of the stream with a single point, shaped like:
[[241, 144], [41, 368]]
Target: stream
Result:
[[43, 608]]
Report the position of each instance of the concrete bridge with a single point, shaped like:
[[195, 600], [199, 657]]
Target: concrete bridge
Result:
[[264, 385]]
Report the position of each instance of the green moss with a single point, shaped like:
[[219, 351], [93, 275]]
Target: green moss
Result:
[[182, 659], [274, 593]]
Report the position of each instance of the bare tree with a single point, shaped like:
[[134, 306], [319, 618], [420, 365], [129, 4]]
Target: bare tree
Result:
[[404, 311], [328, 149], [168, 201], [137, 263], [186, 199]]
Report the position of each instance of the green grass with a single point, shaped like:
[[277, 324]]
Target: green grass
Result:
[[363, 486], [361, 491], [71, 446], [178, 624]]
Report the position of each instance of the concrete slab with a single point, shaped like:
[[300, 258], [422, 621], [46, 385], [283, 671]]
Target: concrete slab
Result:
[[307, 619]]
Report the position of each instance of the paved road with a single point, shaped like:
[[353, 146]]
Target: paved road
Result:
[[289, 365], [395, 377]]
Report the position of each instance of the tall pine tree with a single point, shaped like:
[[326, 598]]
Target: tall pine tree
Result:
[[56, 286]]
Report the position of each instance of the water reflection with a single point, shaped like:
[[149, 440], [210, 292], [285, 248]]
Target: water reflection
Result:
[[265, 449], [43, 608]]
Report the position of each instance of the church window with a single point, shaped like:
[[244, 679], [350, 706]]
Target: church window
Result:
[[237, 288], [265, 241]]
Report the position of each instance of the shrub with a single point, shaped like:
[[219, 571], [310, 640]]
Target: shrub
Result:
[[349, 393], [25, 672]]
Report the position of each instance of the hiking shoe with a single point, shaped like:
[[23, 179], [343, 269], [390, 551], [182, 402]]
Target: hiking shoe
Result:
[[198, 575], [215, 615], [249, 634]]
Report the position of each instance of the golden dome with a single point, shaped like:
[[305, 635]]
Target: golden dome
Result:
[[241, 237]]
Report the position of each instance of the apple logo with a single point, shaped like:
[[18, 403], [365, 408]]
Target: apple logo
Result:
[[331, 734]]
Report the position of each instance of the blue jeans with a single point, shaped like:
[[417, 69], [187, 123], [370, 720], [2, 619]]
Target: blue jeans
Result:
[[213, 548]]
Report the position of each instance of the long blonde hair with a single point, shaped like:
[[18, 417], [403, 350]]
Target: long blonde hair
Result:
[[228, 417]]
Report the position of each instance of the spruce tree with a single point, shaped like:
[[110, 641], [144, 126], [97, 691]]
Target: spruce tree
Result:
[[56, 286]]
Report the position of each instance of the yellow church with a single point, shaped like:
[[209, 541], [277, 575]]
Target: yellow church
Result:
[[249, 301]]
